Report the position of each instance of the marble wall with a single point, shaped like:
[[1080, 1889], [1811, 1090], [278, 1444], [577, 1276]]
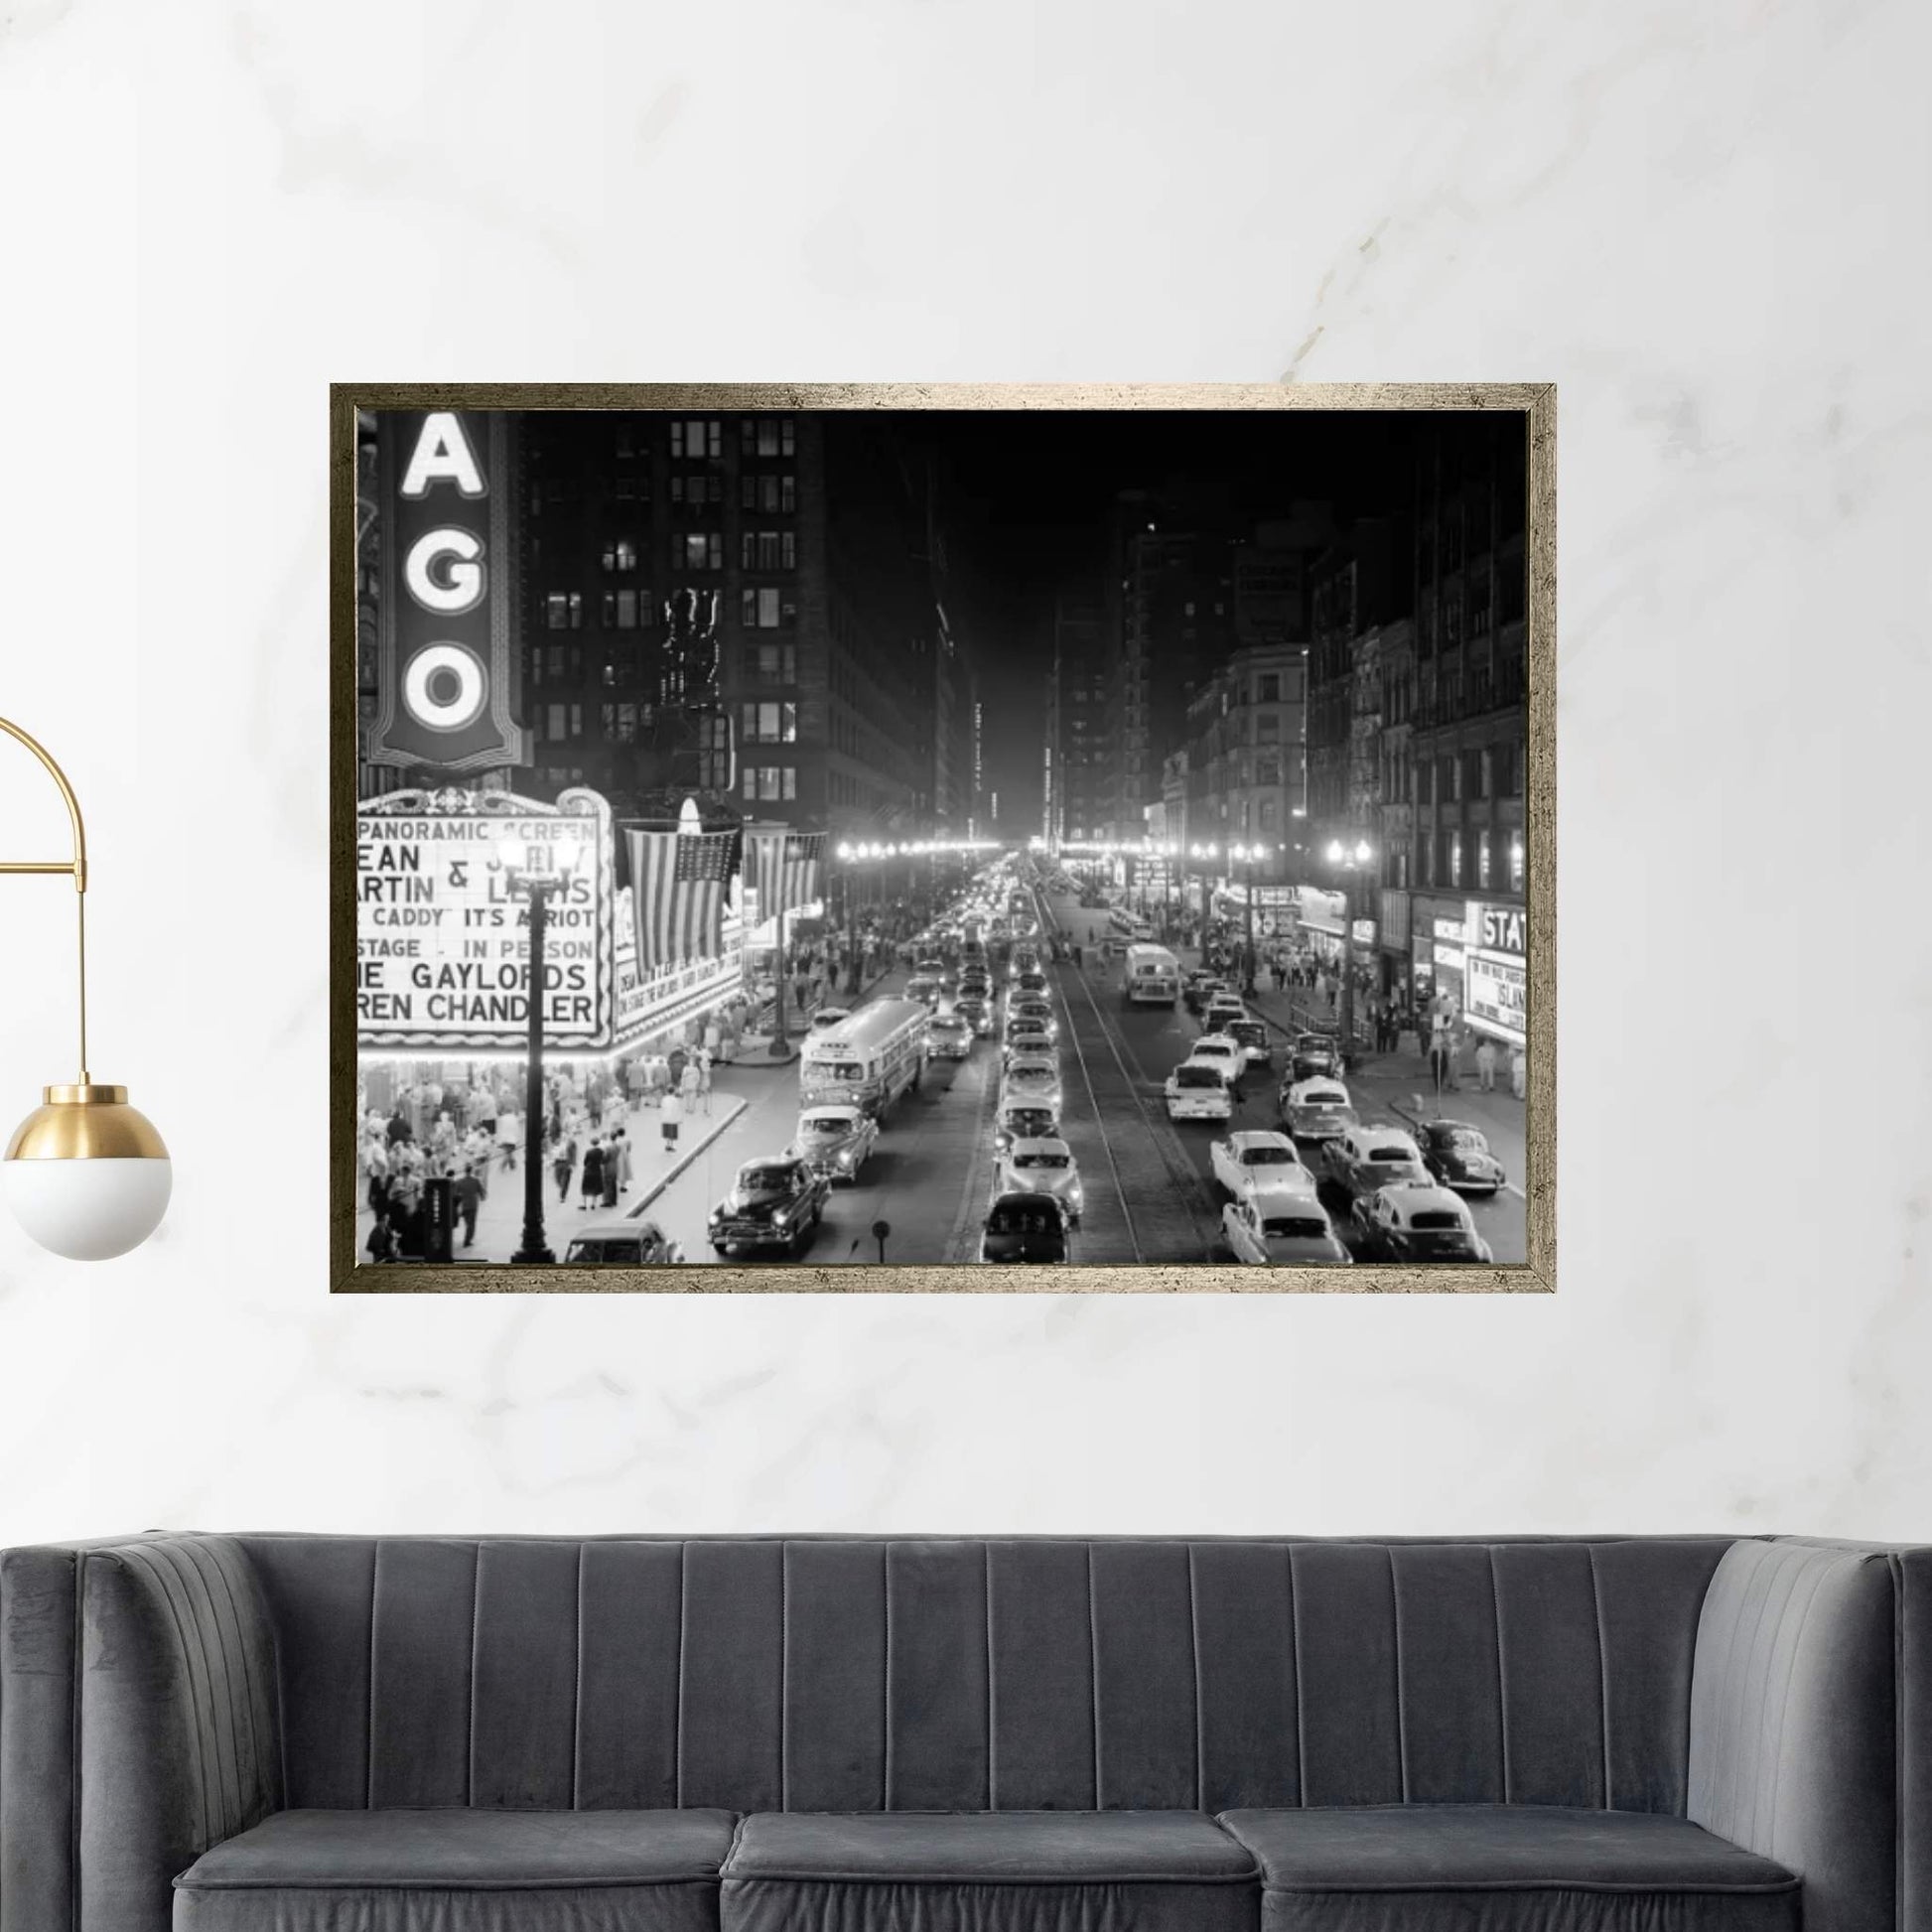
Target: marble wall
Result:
[[1703, 222]]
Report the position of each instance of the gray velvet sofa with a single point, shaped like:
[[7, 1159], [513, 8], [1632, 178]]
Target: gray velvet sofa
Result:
[[306, 1733]]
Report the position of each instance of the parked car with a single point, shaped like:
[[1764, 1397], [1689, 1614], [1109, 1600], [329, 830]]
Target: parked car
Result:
[[835, 1142], [1313, 1053], [1199, 1090], [1362, 1159], [622, 1243], [1460, 1156], [1043, 1167], [772, 1203], [1020, 1118], [1417, 1221], [1317, 1109], [1292, 1232], [1026, 1227], [1252, 1162], [826, 1018], [1257, 1048]]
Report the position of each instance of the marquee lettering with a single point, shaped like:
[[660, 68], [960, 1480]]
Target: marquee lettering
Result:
[[443, 455], [444, 571]]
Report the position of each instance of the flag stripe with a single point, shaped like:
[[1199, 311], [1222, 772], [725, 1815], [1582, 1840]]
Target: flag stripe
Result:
[[677, 889], [785, 869]]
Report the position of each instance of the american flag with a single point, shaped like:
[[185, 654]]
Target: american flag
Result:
[[677, 889], [784, 869]]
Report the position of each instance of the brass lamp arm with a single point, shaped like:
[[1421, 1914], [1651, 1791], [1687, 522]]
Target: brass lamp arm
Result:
[[77, 867]]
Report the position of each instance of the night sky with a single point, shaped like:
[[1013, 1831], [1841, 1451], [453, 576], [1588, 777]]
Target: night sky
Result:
[[1025, 495]]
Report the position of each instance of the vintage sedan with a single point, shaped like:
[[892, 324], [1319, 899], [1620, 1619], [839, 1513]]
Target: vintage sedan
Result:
[[1043, 1167], [1251, 1163], [618, 1242], [1199, 1090], [1459, 1156], [1417, 1221], [1024, 1120], [1220, 1009], [1362, 1159], [1283, 1231], [835, 1142], [923, 986], [1026, 1227], [1028, 1032], [1257, 1048], [975, 984], [1224, 1051], [950, 1037], [1317, 1110], [976, 1014], [1030, 981], [772, 1203], [1033, 1077], [1313, 1053], [1200, 987]]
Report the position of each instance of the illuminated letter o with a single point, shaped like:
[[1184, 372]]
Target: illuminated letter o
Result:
[[444, 687]]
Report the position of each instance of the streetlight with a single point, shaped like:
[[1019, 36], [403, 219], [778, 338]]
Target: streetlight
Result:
[[1247, 855], [1349, 860], [538, 873]]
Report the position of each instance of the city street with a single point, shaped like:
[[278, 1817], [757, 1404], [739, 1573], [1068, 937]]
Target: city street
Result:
[[1149, 1191]]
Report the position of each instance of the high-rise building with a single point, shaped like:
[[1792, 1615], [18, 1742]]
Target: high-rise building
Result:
[[803, 545], [1245, 764], [1169, 605], [1075, 767]]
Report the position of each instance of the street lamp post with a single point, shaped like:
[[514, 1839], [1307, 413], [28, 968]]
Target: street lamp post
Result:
[[1247, 855], [1350, 862], [539, 887]]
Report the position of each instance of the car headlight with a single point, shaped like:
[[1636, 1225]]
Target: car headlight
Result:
[[844, 1157], [779, 1219]]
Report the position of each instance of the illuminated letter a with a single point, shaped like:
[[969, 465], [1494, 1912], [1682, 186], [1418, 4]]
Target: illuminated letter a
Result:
[[443, 453]]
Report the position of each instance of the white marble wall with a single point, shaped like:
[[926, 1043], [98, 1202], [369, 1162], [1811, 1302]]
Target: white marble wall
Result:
[[1706, 222]]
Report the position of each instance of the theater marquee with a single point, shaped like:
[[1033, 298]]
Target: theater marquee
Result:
[[442, 953]]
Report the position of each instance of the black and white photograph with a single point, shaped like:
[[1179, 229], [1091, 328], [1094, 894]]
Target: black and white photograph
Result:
[[914, 837]]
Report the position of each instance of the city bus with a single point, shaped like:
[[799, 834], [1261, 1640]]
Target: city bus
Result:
[[868, 1060], [1152, 977]]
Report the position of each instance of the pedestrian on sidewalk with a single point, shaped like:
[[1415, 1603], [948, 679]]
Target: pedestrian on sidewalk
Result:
[[673, 1114], [591, 1189], [468, 1198], [563, 1164], [613, 1168], [623, 1166], [704, 1080], [1487, 1065], [1519, 1073]]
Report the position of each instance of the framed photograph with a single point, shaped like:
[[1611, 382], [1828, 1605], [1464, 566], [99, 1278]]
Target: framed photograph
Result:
[[793, 837]]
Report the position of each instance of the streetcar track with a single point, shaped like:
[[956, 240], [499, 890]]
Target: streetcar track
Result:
[[1181, 1182]]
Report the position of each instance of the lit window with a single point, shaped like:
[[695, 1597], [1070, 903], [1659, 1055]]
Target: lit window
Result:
[[626, 610], [556, 610], [1482, 858], [695, 437], [1516, 863]]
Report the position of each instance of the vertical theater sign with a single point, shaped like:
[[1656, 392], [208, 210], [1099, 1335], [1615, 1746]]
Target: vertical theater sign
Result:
[[442, 942], [446, 635], [1495, 971]]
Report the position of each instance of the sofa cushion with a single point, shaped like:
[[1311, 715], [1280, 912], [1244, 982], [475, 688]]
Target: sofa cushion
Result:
[[1516, 1868], [988, 1871], [461, 1870]]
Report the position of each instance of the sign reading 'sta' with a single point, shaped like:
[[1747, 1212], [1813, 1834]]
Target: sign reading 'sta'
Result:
[[446, 609]]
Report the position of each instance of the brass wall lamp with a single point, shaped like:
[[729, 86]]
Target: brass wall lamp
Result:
[[84, 1173]]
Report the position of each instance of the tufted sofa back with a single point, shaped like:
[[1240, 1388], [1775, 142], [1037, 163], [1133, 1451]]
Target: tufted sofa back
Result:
[[868, 1674]]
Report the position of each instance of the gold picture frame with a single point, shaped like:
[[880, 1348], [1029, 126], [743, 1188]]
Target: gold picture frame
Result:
[[1534, 402]]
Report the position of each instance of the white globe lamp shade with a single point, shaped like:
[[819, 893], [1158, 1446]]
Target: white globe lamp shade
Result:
[[85, 1174]]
